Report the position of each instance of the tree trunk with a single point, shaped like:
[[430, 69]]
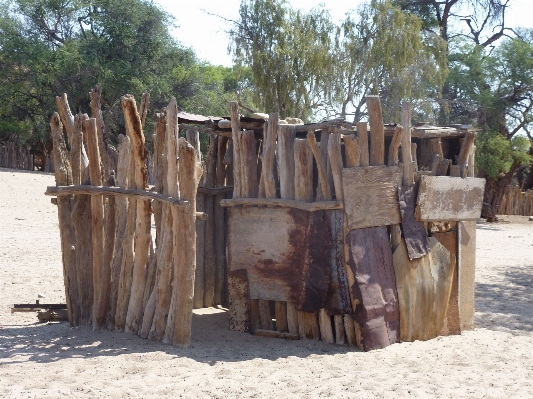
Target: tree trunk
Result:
[[495, 188]]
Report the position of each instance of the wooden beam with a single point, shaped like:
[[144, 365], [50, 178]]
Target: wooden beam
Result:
[[282, 203]]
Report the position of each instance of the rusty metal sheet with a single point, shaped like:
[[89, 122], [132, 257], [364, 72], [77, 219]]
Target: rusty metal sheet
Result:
[[374, 287], [316, 273], [270, 244], [338, 301], [414, 232]]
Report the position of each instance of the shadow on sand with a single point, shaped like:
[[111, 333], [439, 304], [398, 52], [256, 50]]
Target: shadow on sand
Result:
[[211, 340]]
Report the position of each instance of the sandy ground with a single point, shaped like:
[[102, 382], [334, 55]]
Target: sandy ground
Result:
[[54, 360]]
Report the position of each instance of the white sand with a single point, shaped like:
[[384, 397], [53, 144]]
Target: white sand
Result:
[[54, 360]]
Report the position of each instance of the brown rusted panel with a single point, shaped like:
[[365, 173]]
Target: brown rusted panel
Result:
[[375, 286], [316, 272], [338, 301], [239, 301], [414, 232], [270, 243]]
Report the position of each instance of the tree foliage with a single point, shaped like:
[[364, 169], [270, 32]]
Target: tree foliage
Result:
[[48, 47], [304, 65]]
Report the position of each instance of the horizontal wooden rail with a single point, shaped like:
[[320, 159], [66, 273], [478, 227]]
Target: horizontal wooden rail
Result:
[[283, 203], [215, 190], [116, 191]]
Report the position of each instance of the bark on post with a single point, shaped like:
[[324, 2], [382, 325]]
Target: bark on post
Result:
[[63, 176], [185, 246], [143, 223], [250, 187], [68, 122], [101, 272]]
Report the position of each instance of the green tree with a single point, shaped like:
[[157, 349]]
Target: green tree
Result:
[[48, 47], [383, 50], [288, 52]]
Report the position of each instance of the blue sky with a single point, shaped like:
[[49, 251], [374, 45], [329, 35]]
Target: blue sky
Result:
[[206, 33]]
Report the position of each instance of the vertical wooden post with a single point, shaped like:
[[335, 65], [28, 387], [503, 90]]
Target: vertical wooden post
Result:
[[235, 129], [464, 154], [250, 184], [165, 251], [63, 176], [209, 244], [286, 135], [189, 172], [303, 171], [362, 134], [321, 166], [100, 275], [407, 160], [267, 170], [220, 230], [351, 146], [121, 216], [335, 160], [143, 223], [377, 132]]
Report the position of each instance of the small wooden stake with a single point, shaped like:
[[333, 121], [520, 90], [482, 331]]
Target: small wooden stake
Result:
[[362, 133], [351, 146], [377, 131]]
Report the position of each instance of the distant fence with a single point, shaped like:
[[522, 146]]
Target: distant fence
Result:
[[14, 157], [517, 202]]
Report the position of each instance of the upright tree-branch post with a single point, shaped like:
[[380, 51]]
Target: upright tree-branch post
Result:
[[101, 272], [143, 224], [63, 176], [189, 173]]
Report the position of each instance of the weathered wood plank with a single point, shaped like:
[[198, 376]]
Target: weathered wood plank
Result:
[[308, 325], [371, 196], [281, 316], [448, 198], [452, 324], [282, 203], [265, 315], [415, 234], [466, 273], [377, 132], [239, 301], [371, 263], [424, 287]]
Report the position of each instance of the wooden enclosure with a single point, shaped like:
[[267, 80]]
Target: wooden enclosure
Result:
[[328, 231], [329, 239]]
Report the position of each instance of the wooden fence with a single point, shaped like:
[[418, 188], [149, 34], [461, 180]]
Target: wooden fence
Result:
[[14, 157], [116, 275], [517, 202]]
